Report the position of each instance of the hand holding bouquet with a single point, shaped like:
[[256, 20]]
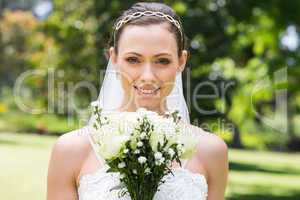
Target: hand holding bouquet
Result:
[[141, 146]]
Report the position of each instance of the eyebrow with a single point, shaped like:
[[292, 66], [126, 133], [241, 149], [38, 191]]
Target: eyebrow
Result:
[[160, 54]]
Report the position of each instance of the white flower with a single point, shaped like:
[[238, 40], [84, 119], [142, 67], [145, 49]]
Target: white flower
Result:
[[142, 159], [155, 139], [147, 170], [127, 123], [122, 176], [125, 150], [143, 135], [144, 112], [157, 155], [179, 146], [159, 161], [164, 128], [110, 144], [136, 151], [140, 144], [189, 144], [171, 152], [121, 165], [133, 142], [134, 171]]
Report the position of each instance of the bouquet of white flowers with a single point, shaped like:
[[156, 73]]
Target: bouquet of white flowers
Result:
[[141, 146]]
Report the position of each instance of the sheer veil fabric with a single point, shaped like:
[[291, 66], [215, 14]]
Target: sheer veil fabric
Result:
[[182, 185], [111, 95]]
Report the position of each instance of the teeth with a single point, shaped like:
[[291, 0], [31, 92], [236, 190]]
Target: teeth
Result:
[[146, 91]]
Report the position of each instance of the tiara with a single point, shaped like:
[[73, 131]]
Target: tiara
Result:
[[138, 14]]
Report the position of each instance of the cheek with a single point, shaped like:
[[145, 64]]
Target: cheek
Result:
[[168, 79], [127, 74]]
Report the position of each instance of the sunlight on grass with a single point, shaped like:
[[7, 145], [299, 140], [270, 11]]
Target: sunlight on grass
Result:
[[263, 175], [24, 160]]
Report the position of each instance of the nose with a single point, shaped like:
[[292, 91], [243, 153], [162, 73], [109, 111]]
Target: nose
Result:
[[148, 74]]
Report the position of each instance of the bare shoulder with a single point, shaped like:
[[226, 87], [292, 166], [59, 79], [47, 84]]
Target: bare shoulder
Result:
[[69, 151], [212, 151], [72, 143], [210, 144]]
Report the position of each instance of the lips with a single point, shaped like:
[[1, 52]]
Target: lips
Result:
[[147, 90]]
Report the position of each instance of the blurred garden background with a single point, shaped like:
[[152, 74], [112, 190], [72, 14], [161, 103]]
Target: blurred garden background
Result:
[[245, 52]]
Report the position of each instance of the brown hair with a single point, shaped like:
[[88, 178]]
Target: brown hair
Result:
[[149, 20]]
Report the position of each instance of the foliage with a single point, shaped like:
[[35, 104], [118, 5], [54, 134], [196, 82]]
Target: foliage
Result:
[[231, 42]]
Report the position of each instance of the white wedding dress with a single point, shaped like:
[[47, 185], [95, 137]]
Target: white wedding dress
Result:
[[182, 185]]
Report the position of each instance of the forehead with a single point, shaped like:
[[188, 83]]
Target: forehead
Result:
[[147, 39]]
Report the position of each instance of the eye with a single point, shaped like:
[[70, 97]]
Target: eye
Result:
[[132, 60], [163, 61]]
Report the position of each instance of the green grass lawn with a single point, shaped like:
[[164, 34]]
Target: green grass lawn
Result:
[[263, 175], [253, 175], [23, 166]]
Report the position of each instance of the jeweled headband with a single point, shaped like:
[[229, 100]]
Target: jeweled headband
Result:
[[138, 14]]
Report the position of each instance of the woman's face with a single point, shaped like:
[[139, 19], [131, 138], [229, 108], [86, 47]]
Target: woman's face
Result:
[[147, 62]]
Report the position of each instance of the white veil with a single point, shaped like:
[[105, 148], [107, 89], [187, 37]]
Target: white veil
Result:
[[111, 95]]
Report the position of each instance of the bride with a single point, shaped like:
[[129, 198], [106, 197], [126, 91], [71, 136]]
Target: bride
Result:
[[149, 55]]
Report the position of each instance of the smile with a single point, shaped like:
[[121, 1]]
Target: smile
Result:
[[147, 92]]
